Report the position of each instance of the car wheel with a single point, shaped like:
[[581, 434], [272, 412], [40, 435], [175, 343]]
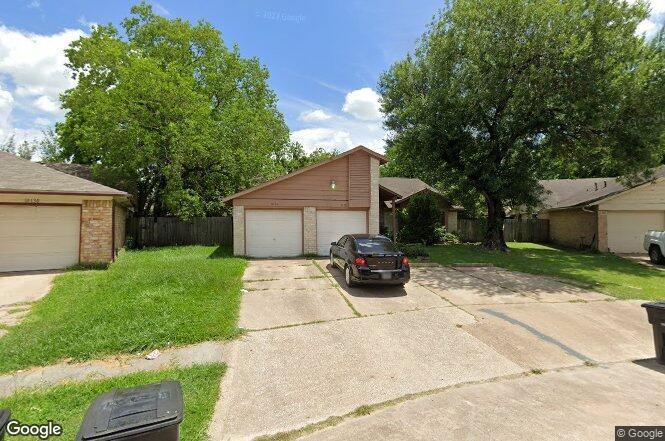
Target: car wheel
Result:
[[332, 261], [655, 254], [347, 276]]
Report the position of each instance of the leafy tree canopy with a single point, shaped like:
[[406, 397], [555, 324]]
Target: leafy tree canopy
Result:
[[165, 110], [500, 90]]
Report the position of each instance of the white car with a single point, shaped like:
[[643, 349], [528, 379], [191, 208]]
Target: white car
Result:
[[654, 243]]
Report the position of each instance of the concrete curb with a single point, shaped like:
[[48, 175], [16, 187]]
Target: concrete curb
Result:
[[206, 352]]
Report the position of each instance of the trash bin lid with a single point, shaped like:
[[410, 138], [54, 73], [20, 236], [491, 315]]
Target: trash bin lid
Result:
[[4, 418], [654, 305], [133, 411]]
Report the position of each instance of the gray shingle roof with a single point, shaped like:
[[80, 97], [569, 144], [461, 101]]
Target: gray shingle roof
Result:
[[565, 193], [20, 175], [407, 187]]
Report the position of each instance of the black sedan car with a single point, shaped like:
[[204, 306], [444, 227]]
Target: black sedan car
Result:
[[369, 258]]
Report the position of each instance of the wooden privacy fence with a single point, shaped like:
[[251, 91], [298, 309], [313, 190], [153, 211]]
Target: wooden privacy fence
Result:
[[162, 231], [529, 230]]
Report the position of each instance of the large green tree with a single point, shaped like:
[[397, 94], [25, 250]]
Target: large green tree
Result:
[[498, 90], [165, 110]]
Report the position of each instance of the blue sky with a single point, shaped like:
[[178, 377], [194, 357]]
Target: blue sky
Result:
[[324, 58]]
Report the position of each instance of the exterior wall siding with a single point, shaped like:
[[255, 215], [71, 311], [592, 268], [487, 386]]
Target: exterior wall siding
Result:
[[373, 227], [573, 228], [238, 230], [649, 197], [309, 189], [361, 167], [97, 231]]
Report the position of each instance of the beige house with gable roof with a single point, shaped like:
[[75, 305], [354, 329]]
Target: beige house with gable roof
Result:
[[51, 220]]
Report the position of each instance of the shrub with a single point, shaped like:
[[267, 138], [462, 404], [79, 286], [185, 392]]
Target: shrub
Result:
[[445, 237], [413, 249], [420, 219]]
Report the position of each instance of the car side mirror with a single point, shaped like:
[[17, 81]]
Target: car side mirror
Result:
[[333, 243]]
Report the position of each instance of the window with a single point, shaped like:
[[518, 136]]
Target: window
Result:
[[375, 245]]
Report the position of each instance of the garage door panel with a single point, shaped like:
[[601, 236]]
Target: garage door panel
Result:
[[62, 244], [626, 229], [39, 237], [331, 225], [273, 233]]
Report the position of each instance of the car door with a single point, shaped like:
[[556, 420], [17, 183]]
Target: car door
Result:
[[338, 252], [347, 251]]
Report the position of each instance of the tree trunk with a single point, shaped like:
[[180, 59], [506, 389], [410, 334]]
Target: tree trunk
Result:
[[494, 239]]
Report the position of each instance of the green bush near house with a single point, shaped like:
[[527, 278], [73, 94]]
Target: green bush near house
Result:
[[66, 404], [606, 273], [420, 219], [413, 250], [148, 299]]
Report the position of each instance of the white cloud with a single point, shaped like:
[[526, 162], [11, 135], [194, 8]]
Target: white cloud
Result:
[[648, 28], [337, 131], [364, 104], [36, 63], [46, 104], [314, 116], [34, 66], [651, 25], [323, 138]]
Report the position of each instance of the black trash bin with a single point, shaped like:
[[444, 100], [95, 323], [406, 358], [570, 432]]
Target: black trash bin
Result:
[[656, 314], [5, 414], [146, 413]]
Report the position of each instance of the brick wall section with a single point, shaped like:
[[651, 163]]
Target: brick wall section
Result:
[[238, 230], [373, 226], [602, 231], [309, 230], [120, 225], [573, 228], [97, 231]]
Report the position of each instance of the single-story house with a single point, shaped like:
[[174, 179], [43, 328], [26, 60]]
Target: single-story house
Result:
[[304, 211], [406, 188], [602, 213], [51, 220]]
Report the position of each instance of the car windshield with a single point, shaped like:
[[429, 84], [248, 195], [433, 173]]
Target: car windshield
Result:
[[375, 245]]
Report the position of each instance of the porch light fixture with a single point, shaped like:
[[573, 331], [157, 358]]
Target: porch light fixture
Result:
[[332, 184]]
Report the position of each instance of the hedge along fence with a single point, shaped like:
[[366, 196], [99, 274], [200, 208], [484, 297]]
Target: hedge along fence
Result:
[[164, 231], [529, 230]]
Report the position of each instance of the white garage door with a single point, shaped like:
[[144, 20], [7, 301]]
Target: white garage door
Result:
[[626, 229], [38, 237], [273, 233], [331, 225]]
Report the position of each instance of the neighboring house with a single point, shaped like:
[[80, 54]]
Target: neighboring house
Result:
[[407, 187], [304, 211], [603, 214], [50, 219]]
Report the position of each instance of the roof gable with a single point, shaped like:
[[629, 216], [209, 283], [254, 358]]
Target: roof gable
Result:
[[382, 160], [566, 193], [22, 176]]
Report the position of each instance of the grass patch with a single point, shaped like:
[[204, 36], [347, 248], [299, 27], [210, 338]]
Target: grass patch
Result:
[[146, 299], [607, 273], [67, 404]]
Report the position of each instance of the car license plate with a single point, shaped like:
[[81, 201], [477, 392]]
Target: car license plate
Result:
[[386, 275]]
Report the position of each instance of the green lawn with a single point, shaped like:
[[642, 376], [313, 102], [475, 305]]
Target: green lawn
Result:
[[603, 272], [66, 405], [146, 299]]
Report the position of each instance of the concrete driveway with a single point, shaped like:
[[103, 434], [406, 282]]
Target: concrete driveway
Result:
[[330, 362], [18, 290]]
